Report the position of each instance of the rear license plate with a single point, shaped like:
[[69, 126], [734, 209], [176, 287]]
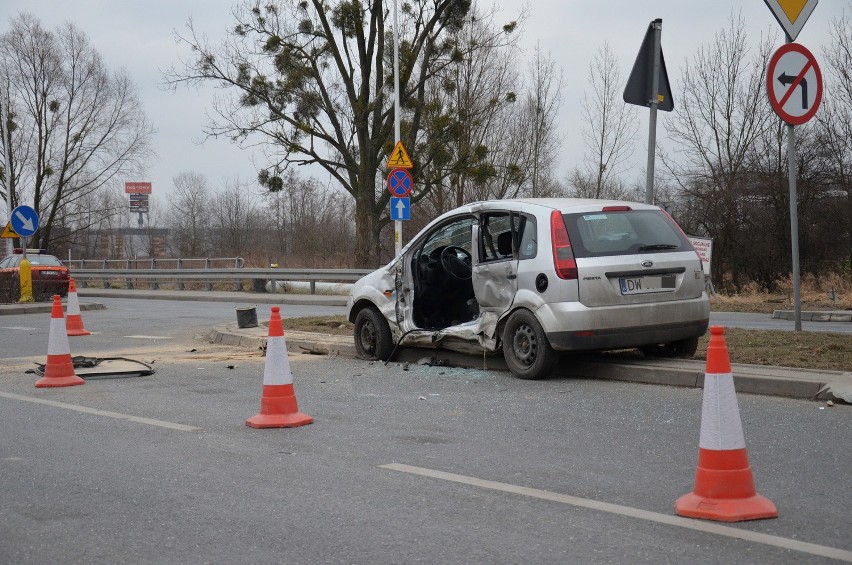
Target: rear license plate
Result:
[[50, 273], [642, 285]]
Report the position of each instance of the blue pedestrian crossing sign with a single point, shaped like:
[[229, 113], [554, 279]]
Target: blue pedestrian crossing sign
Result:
[[24, 220], [400, 209]]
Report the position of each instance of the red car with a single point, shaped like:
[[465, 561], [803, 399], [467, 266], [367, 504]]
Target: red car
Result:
[[49, 275]]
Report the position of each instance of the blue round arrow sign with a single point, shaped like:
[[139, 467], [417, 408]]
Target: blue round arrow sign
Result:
[[400, 183], [24, 220]]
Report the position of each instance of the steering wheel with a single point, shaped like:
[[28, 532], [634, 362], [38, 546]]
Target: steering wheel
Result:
[[457, 262]]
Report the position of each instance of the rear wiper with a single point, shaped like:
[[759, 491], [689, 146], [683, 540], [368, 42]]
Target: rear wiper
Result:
[[657, 246]]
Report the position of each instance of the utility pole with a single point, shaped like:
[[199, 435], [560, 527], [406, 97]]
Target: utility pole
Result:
[[7, 142]]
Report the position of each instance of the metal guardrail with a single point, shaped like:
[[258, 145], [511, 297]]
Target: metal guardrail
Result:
[[154, 276]]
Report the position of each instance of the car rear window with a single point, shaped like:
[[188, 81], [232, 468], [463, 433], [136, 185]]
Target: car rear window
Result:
[[596, 234], [44, 260]]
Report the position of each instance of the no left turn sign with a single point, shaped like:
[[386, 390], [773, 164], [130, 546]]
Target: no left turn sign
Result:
[[794, 84]]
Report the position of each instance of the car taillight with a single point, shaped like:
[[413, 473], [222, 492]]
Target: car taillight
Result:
[[616, 209], [563, 256]]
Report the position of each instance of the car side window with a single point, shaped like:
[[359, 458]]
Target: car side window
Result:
[[505, 236], [528, 246], [495, 237], [456, 234]]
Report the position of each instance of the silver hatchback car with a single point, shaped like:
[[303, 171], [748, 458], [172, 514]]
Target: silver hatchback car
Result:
[[536, 277]]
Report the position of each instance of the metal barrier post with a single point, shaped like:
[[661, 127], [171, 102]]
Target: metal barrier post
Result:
[[83, 283], [209, 285], [181, 286], [128, 281], [238, 284], [154, 284], [106, 279]]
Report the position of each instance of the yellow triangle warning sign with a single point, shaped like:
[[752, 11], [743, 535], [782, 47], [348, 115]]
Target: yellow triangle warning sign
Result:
[[9, 232], [399, 157]]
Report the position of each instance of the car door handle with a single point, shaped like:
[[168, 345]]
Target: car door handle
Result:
[[511, 276]]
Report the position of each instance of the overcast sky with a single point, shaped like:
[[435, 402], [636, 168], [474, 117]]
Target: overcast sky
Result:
[[139, 36]]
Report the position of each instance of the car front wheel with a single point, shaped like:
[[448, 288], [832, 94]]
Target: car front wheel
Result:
[[525, 347], [373, 338]]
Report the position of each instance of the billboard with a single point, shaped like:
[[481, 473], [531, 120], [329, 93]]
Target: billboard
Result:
[[137, 187]]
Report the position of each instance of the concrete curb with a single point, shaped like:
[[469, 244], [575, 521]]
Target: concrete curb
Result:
[[43, 307], [814, 316], [217, 296], [751, 379]]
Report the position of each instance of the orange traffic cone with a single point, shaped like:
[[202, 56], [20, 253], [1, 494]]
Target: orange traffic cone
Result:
[[724, 486], [59, 369], [278, 408], [74, 322]]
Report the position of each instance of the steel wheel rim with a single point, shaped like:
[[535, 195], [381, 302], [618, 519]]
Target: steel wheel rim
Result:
[[524, 345], [368, 337]]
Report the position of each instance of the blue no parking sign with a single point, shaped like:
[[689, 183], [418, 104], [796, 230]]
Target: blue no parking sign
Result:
[[400, 183]]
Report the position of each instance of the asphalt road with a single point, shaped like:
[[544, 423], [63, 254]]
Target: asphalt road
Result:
[[127, 324], [425, 465]]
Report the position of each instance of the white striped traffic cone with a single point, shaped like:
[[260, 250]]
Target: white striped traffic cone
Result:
[[74, 321], [724, 485], [278, 407], [59, 369]]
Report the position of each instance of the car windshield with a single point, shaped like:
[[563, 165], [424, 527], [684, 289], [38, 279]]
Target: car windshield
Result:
[[595, 234]]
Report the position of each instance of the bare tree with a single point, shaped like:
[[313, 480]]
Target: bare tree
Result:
[[311, 224], [723, 116], [76, 126], [236, 218], [541, 107], [189, 215], [465, 129], [609, 131], [835, 117]]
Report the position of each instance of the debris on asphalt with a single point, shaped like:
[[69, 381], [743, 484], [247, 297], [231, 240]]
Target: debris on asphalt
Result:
[[105, 367], [840, 390]]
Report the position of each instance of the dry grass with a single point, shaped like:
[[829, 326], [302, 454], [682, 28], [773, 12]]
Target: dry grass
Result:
[[802, 350], [814, 296]]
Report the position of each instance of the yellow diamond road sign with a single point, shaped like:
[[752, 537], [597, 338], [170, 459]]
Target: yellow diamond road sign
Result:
[[9, 232], [792, 14]]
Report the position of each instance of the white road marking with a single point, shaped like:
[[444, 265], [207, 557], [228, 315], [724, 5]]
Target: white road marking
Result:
[[96, 412], [699, 525], [147, 337], [19, 328]]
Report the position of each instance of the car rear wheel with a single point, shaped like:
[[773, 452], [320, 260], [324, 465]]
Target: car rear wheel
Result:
[[525, 347], [373, 338], [681, 349]]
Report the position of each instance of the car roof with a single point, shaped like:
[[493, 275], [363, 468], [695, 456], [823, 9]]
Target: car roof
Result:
[[569, 204]]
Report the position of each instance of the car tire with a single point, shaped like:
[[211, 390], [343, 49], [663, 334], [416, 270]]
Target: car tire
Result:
[[681, 349], [525, 347], [373, 340]]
